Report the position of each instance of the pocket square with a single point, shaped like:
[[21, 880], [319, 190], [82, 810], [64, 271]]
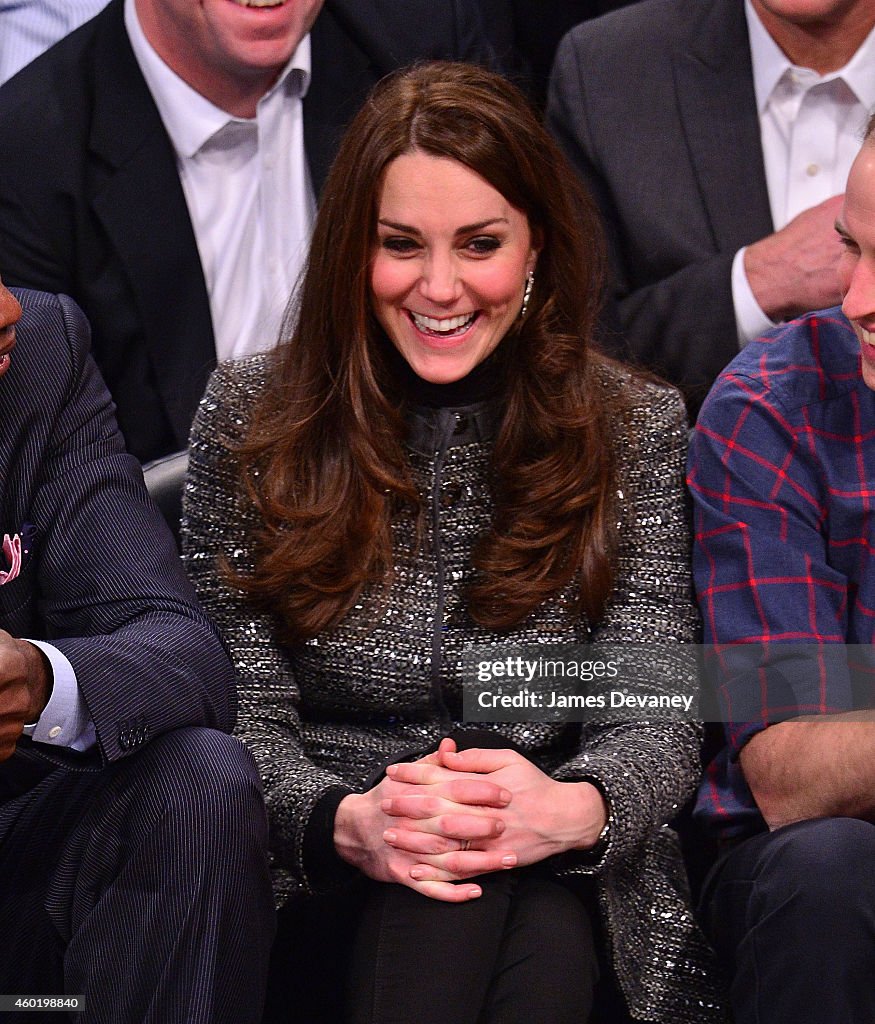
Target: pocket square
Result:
[[15, 550], [12, 554]]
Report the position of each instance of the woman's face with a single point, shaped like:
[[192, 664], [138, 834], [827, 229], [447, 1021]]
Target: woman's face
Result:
[[450, 264]]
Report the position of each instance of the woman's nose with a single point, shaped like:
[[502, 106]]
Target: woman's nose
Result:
[[440, 280]]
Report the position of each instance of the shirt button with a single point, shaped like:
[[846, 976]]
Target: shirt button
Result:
[[812, 169], [451, 495], [54, 732]]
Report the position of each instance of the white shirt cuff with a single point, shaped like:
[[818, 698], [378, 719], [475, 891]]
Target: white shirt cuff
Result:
[[65, 721], [750, 320]]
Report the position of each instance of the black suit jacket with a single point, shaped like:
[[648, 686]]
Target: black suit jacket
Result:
[[655, 107], [103, 581], [91, 203]]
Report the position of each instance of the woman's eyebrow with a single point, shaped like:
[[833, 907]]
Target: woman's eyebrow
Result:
[[463, 230]]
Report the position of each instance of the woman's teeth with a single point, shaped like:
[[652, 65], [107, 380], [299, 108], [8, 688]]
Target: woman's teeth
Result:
[[449, 325], [259, 3]]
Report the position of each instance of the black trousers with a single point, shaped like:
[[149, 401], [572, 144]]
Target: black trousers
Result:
[[143, 886], [791, 914], [524, 951], [521, 952]]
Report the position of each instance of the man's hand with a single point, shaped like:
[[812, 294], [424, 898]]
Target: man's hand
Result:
[[795, 270], [25, 688]]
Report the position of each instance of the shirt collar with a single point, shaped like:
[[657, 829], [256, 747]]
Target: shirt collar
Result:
[[770, 63], [190, 118]]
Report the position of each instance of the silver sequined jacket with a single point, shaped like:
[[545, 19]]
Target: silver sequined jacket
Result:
[[387, 679]]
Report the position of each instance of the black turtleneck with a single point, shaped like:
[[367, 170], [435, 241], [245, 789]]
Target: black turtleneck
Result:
[[481, 384]]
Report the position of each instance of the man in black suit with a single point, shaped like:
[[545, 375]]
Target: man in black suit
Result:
[[104, 203], [700, 126], [133, 865]]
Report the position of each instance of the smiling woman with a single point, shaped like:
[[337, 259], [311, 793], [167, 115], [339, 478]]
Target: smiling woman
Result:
[[437, 457], [451, 265]]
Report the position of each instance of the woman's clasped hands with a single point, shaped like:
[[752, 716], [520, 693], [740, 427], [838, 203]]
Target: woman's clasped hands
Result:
[[432, 824]]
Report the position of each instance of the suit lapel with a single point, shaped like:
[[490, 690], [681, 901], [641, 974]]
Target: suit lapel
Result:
[[715, 96], [140, 203]]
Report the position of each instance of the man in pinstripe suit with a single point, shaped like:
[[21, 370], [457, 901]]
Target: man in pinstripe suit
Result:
[[133, 866]]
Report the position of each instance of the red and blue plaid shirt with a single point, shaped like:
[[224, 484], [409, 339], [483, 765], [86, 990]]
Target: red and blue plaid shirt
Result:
[[782, 474]]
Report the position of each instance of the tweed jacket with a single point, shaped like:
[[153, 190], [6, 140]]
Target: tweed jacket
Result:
[[387, 679]]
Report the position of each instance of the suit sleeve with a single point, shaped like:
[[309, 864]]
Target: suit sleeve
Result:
[[677, 317], [111, 592]]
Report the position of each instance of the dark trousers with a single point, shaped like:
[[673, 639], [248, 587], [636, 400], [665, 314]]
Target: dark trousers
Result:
[[791, 914], [384, 954], [143, 886]]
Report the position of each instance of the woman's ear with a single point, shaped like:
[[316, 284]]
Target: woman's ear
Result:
[[535, 251]]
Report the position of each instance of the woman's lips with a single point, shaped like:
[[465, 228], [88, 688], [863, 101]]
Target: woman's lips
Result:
[[443, 331]]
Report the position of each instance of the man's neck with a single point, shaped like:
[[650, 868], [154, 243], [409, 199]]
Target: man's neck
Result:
[[825, 45], [235, 93], [237, 98]]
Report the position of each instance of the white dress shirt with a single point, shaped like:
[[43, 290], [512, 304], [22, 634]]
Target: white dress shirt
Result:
[[64, 721], [27, 27], [811, 127], [248, 190]]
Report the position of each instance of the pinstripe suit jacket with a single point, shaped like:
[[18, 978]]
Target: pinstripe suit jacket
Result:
[[103, 582]]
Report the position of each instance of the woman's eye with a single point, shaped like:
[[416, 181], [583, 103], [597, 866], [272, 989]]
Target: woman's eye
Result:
[[483, 245], [400, 246], [848, 244]]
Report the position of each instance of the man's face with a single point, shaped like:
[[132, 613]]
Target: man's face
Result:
[[856, 226], [811, 12], [221, 45], [10, 312]]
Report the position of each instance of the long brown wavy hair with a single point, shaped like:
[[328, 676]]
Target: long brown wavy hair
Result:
[[324, 458]]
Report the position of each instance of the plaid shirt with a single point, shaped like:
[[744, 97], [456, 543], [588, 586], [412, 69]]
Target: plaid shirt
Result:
[[782, 474]]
